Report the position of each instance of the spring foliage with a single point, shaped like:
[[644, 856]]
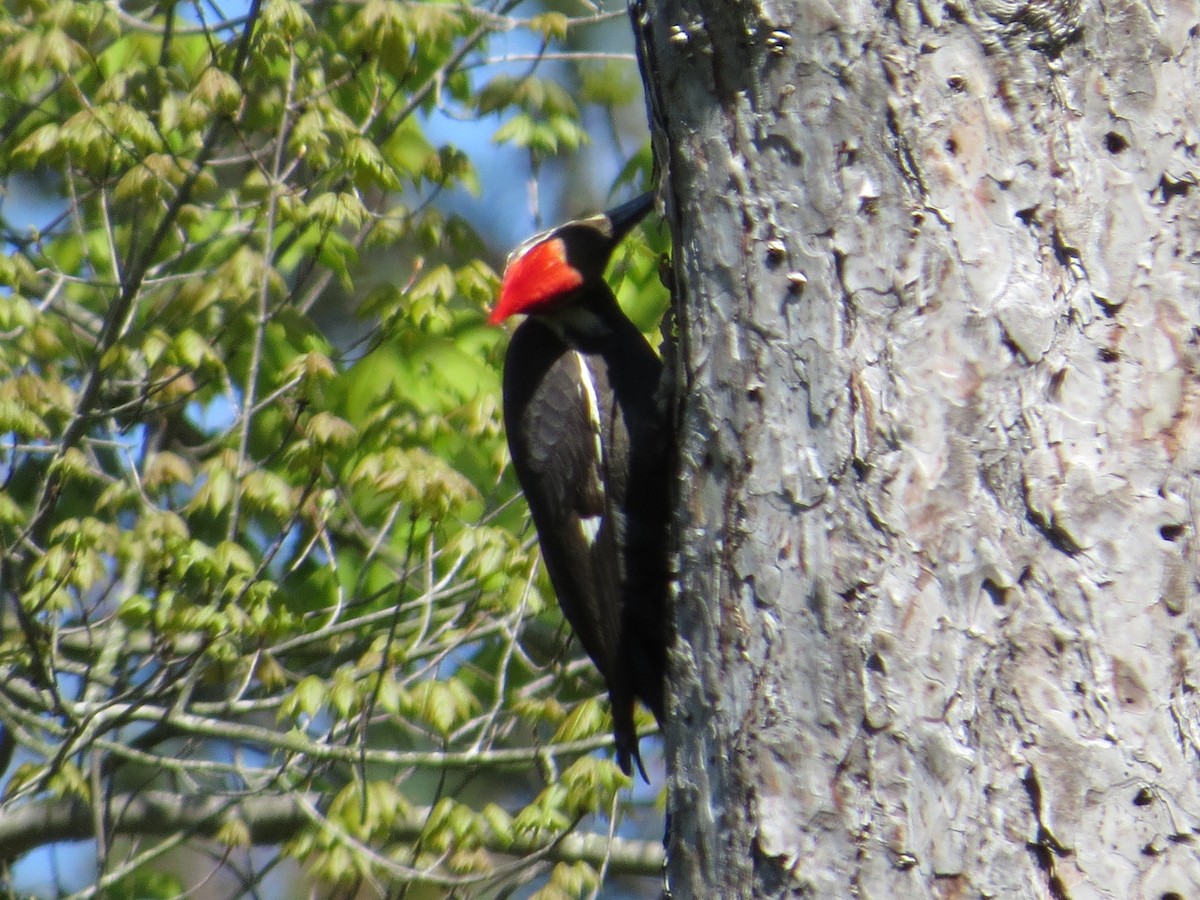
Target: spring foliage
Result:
[[247, 558]]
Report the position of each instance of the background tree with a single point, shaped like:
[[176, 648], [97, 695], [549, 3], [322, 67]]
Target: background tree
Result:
[[939, 287], [262, 581]]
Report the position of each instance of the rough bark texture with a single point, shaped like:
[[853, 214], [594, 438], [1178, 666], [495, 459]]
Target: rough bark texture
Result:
[[939, 277]]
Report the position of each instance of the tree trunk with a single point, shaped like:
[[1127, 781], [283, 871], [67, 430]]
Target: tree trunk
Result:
[[938, 273]]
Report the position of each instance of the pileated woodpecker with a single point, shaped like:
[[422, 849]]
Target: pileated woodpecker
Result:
[[589, 444]]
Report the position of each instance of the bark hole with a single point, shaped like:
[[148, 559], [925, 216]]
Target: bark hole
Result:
[[1170, 187], [1171, 533], [1115, 143], [998, 594]]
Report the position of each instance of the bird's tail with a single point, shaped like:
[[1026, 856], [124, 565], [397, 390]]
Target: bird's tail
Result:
[[626, 737]]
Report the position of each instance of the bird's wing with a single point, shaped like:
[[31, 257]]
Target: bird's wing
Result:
[[556, 407]]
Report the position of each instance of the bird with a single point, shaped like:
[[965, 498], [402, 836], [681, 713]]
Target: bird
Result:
[[589, 441]]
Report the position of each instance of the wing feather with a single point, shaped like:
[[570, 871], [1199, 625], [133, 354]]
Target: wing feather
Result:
[[552, 415]]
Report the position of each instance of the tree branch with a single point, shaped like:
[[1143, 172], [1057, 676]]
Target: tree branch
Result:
[[272, 820]]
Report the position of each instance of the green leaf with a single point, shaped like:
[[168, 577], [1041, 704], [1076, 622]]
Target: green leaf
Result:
[[307, 699], [217, 91], [500, 823], [288, 19], [518, 130], [338, 209], [380, 29], [329, 430], [234, 832], [216, 489], [587, 719], [551, 25], [498, 93], [369, 166], [44, 145], [73, 465], [18, 420]]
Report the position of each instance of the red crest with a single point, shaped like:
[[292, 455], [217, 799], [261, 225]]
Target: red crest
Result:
[[535, 278]]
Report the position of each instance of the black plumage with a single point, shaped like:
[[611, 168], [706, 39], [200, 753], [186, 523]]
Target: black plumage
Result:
[[589, 444]]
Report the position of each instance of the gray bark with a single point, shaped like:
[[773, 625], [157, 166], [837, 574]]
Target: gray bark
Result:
[[938, 279]]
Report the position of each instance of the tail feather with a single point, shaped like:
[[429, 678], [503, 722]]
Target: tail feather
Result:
[[625, 735]]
